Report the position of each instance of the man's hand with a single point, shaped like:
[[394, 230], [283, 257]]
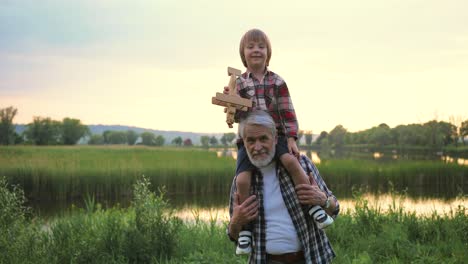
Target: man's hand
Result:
[[292, 147], [311, 194], [242, 213]]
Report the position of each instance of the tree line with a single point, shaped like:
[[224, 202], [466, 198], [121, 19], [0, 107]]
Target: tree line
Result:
[[69, 131], [432, 134], [45, 131]]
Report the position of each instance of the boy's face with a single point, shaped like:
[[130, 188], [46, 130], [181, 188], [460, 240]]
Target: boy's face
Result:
[[255, 53]]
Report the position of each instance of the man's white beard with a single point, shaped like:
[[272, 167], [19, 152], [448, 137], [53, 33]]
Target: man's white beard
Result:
[[264, 162]]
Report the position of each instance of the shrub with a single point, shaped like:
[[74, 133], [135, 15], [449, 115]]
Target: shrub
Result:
[[20, 240]]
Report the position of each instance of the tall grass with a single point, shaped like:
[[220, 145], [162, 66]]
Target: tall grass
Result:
[[147, 232], [421, 177], [67, 172]]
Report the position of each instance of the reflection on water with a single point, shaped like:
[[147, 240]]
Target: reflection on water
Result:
[[459, 161], [227, 152], [421, 207], [421, 183], [312, 155], [392, 155]]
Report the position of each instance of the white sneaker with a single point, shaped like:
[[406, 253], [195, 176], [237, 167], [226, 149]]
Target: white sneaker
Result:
[[244, 243], [321, 218]]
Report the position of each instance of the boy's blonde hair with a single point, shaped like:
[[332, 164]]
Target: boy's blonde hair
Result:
[[254, 35]]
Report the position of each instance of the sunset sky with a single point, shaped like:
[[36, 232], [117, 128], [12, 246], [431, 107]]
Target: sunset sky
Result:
[[157, 63]]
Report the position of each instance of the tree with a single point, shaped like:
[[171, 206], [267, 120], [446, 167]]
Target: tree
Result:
[[299, 136], [439, 134], [381, 135], [148, 138], [72, 131], [177, 141], [7, 129], [213, 141], [159, 141], [96, 140], [308, 137], [44, 131], [117, 137], [18, 139], [223, 140], [323, 135], [227, 138], [464, 130], [132, 137], [448, 133], [205, 140], [188, 142], [336, 136], [106, 135]]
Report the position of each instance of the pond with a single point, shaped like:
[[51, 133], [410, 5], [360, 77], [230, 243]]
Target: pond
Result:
[[55, 178], [425, 183]]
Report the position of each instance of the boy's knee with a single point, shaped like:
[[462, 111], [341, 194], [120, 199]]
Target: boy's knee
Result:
[[243, 180], [288, 159]]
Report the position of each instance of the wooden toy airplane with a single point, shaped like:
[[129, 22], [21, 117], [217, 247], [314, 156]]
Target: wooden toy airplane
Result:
[[231, 101]]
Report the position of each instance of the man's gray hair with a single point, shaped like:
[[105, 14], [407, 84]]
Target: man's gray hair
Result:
[[258, 117]]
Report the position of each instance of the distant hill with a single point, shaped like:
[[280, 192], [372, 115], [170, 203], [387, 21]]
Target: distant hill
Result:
[[168, 135]]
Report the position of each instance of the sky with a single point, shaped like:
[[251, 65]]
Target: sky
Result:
[[157, 63]]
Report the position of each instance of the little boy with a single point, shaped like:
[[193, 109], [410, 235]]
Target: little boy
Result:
[[268, 92]]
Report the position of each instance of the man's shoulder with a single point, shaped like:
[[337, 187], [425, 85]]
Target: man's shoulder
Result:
[[305, 162]]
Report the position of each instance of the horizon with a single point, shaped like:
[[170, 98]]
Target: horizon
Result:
[[156, 64], [235, 127]]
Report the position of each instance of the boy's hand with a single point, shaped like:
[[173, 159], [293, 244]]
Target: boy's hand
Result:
[[292, 147], [226, 90]]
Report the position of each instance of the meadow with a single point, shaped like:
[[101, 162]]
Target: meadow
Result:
[[148, 228], [148, 232], [61, 173], [54, 174]]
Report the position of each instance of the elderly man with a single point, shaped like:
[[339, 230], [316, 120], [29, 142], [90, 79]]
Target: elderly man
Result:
[[283, 231]]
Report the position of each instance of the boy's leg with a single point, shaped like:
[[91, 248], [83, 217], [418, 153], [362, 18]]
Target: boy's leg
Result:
[[290, 162], [299, 176], [244, 243], [243, 185], [243, 180], [295, 169], [321, 218]]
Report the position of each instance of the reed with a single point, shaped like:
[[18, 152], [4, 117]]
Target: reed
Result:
[[426, 178], [60, 173], [138, 234], [108, 172]]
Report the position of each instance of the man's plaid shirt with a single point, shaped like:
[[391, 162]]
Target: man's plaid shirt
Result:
[[314, 241], [272, 95]]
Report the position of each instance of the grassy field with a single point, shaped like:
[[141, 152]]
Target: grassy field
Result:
[[147, 232], [67, 173]]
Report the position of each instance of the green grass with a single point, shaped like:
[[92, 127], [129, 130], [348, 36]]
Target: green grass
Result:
[[55, 175], [147, 232], [425, 177], [60, 173]]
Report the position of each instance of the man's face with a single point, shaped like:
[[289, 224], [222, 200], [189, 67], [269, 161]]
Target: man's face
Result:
[[260, 144]]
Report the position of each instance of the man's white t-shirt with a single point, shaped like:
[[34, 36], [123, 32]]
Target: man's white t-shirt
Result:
[[281, 235]]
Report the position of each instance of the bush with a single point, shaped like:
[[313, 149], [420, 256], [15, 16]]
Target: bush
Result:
[[154, 234], [20, 240], [145, 233]]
